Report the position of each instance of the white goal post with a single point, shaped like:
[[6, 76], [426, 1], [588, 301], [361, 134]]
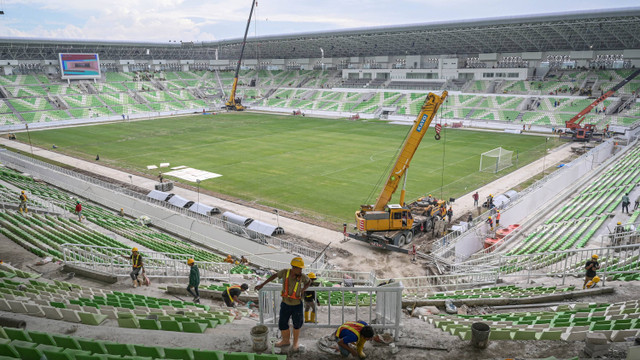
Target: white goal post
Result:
[[495, 160]]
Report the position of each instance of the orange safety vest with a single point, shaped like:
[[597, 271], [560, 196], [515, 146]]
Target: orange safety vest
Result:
[[498, 217], [285, 292], [136, 260], [354, 327], [232, 287]]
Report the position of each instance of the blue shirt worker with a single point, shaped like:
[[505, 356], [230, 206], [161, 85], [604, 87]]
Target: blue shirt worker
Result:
[[353, 332]]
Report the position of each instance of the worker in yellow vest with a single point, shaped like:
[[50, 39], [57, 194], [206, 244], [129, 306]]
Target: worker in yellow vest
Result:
[[230, 295], [137, 265], [23, 203], [294, 284], [358, 332]]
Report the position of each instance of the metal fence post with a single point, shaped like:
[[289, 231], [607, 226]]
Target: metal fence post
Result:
[[564, 270]]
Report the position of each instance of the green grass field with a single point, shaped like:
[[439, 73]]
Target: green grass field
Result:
[[319, 168]]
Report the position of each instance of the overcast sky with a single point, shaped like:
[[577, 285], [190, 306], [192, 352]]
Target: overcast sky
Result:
[[208, 20]]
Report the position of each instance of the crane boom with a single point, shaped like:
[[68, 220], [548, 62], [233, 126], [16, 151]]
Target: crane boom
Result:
[[420, 126], [574, 122], [232, 104]]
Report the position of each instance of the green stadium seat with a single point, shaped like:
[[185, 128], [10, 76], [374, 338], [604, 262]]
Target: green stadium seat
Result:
[[91, 319], [120, 349], [269, 357], [208, 355], [93, 346], [194, 327], [52, 354], [66, 342], [239, 356], [170, 325], [41, 338], [128, 323], [149, 351], [178, 353], [17, 334], [28, 352], [149, 324], [8, 350]]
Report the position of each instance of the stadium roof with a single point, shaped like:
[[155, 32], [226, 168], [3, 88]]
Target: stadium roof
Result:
[[617, 29], [588, 30]]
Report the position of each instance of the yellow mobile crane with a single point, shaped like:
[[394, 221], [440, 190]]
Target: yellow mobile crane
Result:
[[235, 103], [391, 226]]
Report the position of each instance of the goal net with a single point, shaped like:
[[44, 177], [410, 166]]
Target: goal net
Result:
[[495, 160]]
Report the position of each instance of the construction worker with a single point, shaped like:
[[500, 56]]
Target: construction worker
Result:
[[450, 214], [294, 284], [79, 210], [136, 262], [591, 266], [617, 234], [194, 280], [498, 218], [121, 212], [475, 197], [353, 332], [490, 222], [23, 203], [229, 259], [310, 301], [625, 202], [230, 294]]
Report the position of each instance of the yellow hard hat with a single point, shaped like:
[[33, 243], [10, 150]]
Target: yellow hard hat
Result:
[[297, 262], [497, 210], [312, 275], [489, 217], [596, 279], [490, 195], [23, 191], [429, 194], [190, 261], [134, 249], [619, 223], [594, 256]]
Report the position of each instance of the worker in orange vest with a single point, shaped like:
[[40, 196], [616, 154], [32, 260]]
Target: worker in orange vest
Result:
[[490, 222], [294, 284], [498, 219]]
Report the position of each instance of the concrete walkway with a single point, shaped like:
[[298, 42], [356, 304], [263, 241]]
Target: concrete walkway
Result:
[[318, 234]]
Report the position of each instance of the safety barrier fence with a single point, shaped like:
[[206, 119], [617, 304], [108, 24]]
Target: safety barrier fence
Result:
[[437, 283], [622, 259], [57, 176], [385, 312], [109, 260]]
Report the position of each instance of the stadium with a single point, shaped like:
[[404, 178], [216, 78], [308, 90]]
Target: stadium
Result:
[[240, 158]]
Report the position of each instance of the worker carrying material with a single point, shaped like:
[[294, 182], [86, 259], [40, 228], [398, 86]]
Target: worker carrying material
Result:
[[353, 332], [230, 294], [294, 284]]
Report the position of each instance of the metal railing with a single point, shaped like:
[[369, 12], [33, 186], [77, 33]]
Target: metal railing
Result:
[[16, 160], [385, 312], [438, 283], [109, 260]]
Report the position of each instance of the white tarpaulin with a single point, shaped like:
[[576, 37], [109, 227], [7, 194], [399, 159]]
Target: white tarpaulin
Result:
[[178, 201], [203, 209], [158, 195], [192, 175], [262, 228]]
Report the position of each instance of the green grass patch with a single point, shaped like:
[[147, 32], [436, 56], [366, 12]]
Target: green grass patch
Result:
[[321, 168]]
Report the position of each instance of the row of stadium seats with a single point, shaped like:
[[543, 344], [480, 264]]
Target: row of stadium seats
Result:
[[36, 345], [567, 322]]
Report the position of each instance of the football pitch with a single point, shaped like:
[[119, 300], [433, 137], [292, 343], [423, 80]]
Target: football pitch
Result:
[[320, 168]]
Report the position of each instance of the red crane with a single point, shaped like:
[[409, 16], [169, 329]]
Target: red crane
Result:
[[574, 124]]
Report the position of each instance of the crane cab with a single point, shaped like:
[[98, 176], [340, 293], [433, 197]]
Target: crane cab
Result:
[[393, 217]]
